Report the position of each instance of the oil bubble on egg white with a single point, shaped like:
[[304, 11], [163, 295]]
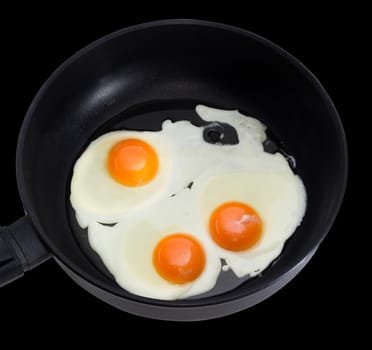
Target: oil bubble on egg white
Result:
[[144, 215]]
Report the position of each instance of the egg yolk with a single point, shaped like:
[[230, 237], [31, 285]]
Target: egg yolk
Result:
[[179, 258], [132, 162], [235, 226]]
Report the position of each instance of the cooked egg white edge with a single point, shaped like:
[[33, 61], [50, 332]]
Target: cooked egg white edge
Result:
[[244, 125]]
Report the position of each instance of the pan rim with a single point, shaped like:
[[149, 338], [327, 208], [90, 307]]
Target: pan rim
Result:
[[31, 212]]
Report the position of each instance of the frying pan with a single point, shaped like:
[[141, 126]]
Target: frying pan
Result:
[[136, 76]]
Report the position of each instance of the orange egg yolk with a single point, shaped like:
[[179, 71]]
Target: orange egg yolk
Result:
[[132, 162], [235, 226], [179, 258]]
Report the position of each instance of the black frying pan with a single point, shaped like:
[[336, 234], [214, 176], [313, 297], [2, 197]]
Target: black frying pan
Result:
[[134, 78]]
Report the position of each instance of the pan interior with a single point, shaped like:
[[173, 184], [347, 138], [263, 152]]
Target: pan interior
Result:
[[173, 66]]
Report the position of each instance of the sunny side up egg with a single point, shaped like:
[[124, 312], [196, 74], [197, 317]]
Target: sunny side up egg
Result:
[[177, 205]]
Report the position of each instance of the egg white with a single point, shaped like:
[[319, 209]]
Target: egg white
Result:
[[217, 173]]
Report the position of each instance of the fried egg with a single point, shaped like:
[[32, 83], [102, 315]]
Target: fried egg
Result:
[[250, 215], [178, 205], [129, 251], [103, 189]]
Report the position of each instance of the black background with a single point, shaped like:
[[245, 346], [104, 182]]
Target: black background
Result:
[[316, 304]]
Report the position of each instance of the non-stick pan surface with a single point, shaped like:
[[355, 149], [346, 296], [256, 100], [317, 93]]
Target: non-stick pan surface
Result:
[[133, 78]]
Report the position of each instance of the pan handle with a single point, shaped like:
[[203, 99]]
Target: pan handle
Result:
[[20, 250]]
